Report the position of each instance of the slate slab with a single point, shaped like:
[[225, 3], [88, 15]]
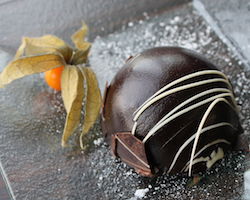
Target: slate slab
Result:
[[232, 20], [32, 118]]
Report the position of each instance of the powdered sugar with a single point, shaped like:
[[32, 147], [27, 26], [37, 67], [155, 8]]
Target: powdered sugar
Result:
[[140, 193]]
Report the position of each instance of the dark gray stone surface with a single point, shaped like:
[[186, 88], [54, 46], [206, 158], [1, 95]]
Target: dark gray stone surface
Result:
[[32, 118], [61, 17], [233, 21]]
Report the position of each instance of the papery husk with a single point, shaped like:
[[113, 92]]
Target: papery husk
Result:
[[72, 94]]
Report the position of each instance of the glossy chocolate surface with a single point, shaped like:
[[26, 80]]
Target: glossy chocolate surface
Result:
[[145, 74]]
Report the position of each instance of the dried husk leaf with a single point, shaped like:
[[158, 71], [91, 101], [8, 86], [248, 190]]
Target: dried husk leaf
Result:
[[20, 50], [72, 94], [36, 55], [80, 57], [93, 101], [78, 38], [29, 65], [44, 44]]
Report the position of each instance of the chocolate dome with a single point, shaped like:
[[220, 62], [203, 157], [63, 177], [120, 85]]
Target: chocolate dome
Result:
[[170, 110]]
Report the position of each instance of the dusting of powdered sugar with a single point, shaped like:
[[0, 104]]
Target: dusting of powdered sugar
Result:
[[184, 28], [46, 171], [140, 193]]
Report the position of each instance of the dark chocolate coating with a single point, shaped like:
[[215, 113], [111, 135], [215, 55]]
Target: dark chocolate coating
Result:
[[139, 79]]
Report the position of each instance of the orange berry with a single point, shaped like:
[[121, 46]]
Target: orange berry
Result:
[[53, 77]]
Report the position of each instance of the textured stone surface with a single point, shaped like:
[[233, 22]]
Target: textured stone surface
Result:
[[63, 17], [32, 117], [233, 21]]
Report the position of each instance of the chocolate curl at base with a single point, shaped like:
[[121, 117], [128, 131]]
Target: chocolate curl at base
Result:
[[131, 151]]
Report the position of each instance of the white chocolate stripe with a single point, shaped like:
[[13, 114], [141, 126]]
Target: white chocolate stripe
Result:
[[184, 78], [204, 148], [134, 128], [222, 90], [188, 101], [203, 120], [210, 160], [180, 130], [174, 90], [153, 130], [187, 142], [178, 111]]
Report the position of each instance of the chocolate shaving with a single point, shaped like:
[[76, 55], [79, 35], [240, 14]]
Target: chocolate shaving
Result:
[[132, 151]]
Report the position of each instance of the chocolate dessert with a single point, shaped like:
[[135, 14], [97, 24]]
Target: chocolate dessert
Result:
[[170, 110]]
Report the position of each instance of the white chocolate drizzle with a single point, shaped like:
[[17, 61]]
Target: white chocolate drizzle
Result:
[[216, 95], [184, 78], [187, 142], [203, 149], [203, 120], [177, 89], [181, 112], [210, 160]]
